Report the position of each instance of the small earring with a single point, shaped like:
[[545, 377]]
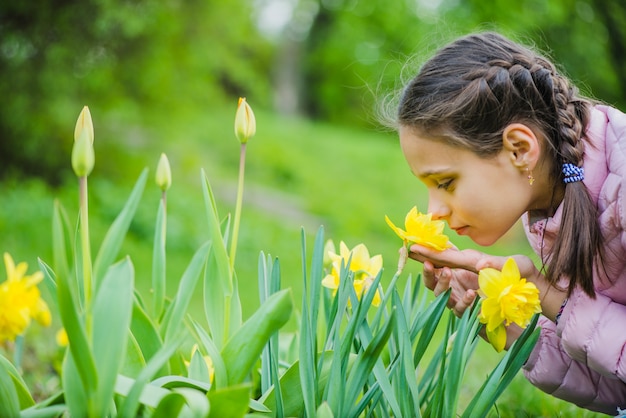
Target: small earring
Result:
[[530, 177]]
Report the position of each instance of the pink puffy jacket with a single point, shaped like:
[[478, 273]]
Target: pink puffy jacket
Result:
[[583, 359]]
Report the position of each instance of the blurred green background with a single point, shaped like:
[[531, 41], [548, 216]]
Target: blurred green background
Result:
[[165, 76]]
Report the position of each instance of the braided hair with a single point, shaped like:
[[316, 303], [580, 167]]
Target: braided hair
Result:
[[473, 88]]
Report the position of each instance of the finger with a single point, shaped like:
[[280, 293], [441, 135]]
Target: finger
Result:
[[443, 281], [465, 302], [428, 275], [465, 259]]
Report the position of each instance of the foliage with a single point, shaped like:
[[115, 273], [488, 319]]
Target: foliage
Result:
[[127, 357], [330, 61]]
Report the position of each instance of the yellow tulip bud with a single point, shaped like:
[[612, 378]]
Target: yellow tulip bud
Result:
[[84, 123], [329, 247], [163, 175], [83, 158], [245, 123]]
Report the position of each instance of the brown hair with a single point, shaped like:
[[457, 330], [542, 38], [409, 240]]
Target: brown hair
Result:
[[474, 87]]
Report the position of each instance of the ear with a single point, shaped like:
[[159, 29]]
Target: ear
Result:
[[522, 145]]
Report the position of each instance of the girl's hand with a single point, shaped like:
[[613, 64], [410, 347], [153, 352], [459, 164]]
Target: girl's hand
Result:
[[462, 282], [450, 269]]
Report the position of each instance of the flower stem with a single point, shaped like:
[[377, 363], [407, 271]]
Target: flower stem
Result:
[[84, 235], [233, 243]]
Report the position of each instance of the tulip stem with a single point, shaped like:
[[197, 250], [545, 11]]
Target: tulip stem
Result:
[[233, 244], [84, 235]]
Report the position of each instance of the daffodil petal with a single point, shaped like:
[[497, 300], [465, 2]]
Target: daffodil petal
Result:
[[497, 338]]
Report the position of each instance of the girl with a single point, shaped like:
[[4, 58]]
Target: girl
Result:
[[496, 133]]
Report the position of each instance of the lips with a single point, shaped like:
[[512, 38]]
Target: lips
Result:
[[460, 230]]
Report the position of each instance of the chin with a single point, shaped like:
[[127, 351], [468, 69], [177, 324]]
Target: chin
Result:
[[484, 241]]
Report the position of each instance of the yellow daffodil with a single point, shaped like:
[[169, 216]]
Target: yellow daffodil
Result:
[[364, 267], [507, 299], [245, 123], [61, 338], [422, 230], [20, 301]]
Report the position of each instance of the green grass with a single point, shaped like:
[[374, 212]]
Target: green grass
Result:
[[299, 175]]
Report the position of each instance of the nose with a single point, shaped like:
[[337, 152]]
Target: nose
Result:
[[437, 207]]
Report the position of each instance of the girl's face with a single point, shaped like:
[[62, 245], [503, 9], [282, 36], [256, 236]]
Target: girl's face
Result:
[[481, 198]]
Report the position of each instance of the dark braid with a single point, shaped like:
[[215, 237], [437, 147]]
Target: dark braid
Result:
[[472, 89]]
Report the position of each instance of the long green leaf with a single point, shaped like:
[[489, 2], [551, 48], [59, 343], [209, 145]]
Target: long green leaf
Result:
[[294, 391], [186, 289], [146, 334], [23, 394], [61, 240], [117, 231], [112, 309], [139, 391], [407, 369], [220, 375], [214, 300], [77, 397], [244, 348], [230, 402], [504, 372], [80, 349], [365, 363], [9, 401], [224, 273], [49, 280]]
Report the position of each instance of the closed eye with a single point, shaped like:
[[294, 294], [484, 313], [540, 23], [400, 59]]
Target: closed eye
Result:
[[446, 185]]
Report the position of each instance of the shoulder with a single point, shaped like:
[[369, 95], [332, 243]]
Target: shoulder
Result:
[[608, 123]]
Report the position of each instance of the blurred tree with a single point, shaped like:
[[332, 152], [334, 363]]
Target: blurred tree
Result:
[[354, 49], [59, 55]]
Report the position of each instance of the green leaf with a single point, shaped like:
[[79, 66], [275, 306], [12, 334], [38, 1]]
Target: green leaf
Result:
[[76, 394], [224, 273], [112, 309], [504, 372], [117, 231], [9, 401], [170, 406], [324, 411], [198, 369], [196, 402], [244, 348], [428, 323], [186, 289], [214, 300], [230, 402], [61, 240], [220, 377], [52, 411], [79, 347], [292, 386], [145, 333], [159, 260], [139, 390], [171, 382], [310, 308], [49, 281], [407, 368], [134, 360], [365, 362], [21, 390]]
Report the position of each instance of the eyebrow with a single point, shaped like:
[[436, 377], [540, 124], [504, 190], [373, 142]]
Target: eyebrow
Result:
[[433, 172]]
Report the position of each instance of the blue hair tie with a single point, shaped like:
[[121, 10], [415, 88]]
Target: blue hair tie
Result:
[[573, 173]]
